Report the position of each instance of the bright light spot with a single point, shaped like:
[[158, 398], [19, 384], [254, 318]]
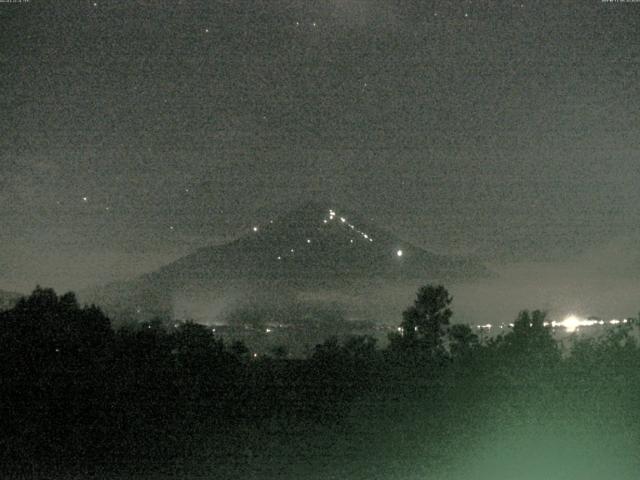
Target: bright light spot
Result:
[[206, 30], [615, 321], [85, 199], [365, 236], [292, 250], [572, 322], [255, 229], [399, 253], [279, 257], [255, 355], [351, 241], [325, 221], [171, 227], [267, 330], [308, 240], [343, 220]]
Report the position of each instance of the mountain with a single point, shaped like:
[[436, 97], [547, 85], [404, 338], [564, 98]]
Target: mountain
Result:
[[313, 252], [8, 299]]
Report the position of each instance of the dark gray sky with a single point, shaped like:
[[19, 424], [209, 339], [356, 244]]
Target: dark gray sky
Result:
[[135, 131]]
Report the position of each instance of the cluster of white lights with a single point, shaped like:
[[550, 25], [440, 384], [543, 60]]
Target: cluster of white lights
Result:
[[344, 221], [332, 216], [571, 323]]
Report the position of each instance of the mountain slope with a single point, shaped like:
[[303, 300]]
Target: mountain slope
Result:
[[314, 248]]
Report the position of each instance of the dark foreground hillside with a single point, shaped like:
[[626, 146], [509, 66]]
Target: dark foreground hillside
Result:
[[81, 400]]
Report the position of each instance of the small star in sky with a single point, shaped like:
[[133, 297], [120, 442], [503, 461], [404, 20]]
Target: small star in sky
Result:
[[85, 199], [206, 30]]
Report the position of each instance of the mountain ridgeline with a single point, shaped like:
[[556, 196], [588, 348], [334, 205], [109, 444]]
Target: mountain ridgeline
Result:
[[316, 253]]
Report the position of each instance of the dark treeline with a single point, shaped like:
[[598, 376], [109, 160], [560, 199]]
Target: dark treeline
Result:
[[80, 398]]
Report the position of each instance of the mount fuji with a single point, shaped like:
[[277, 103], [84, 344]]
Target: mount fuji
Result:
[[315, 253]]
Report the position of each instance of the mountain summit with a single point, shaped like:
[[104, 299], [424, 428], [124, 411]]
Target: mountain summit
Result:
[[315, 241], [315, 247]]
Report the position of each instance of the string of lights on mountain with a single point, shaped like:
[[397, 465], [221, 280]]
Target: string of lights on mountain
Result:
[[331, 217]]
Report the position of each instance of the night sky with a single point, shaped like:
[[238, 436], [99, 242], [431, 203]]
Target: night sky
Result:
[[133, 132]]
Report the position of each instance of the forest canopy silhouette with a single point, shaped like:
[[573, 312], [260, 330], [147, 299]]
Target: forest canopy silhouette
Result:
[[80, 397]]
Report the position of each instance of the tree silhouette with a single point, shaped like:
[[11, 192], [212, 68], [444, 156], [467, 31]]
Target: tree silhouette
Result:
[[239, 349], [532, 340], [462, 341], [280, 352], [423, 323]]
